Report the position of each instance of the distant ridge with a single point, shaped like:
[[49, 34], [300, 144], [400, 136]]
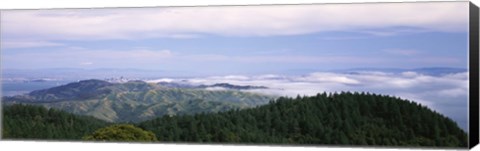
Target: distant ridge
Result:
[[216, 85], [235, 87]]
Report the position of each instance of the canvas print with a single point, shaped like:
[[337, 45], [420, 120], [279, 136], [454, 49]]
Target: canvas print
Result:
[[364, 74]]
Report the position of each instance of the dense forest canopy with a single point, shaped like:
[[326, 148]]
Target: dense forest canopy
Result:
[[36, 122]]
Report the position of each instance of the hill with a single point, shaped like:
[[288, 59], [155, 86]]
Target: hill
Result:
[[327, 119], [227, 86], [38, 123], [86, 89], [136, 101]]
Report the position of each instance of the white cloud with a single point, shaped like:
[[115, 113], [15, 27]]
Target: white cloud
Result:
[[28, 44], [161, 80], [236, 77], [328, 78], [413, 83], [86, 63], [189, 22]]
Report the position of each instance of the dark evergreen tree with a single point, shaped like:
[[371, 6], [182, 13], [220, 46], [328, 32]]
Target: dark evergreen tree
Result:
[[36, 122]]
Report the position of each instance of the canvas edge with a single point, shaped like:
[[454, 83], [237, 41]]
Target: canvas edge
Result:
[[473, 75]]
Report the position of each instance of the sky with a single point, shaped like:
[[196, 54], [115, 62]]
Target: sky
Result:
[[291, 49], [239, 39]]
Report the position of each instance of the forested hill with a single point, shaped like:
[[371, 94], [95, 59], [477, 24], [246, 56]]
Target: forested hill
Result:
[[36, 122], [136, 101], [345, 119]]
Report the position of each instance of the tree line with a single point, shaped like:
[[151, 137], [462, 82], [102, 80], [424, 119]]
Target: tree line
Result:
[[38, 123]]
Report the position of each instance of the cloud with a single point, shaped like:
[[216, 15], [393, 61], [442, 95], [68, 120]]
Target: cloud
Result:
[[393, 31], [28, 44], [447, 94], [343, 37], [86, 63], [328, 78], [190, 22]]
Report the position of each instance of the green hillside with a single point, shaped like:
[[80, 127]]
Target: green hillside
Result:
[[136, 101], [336, 119]]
